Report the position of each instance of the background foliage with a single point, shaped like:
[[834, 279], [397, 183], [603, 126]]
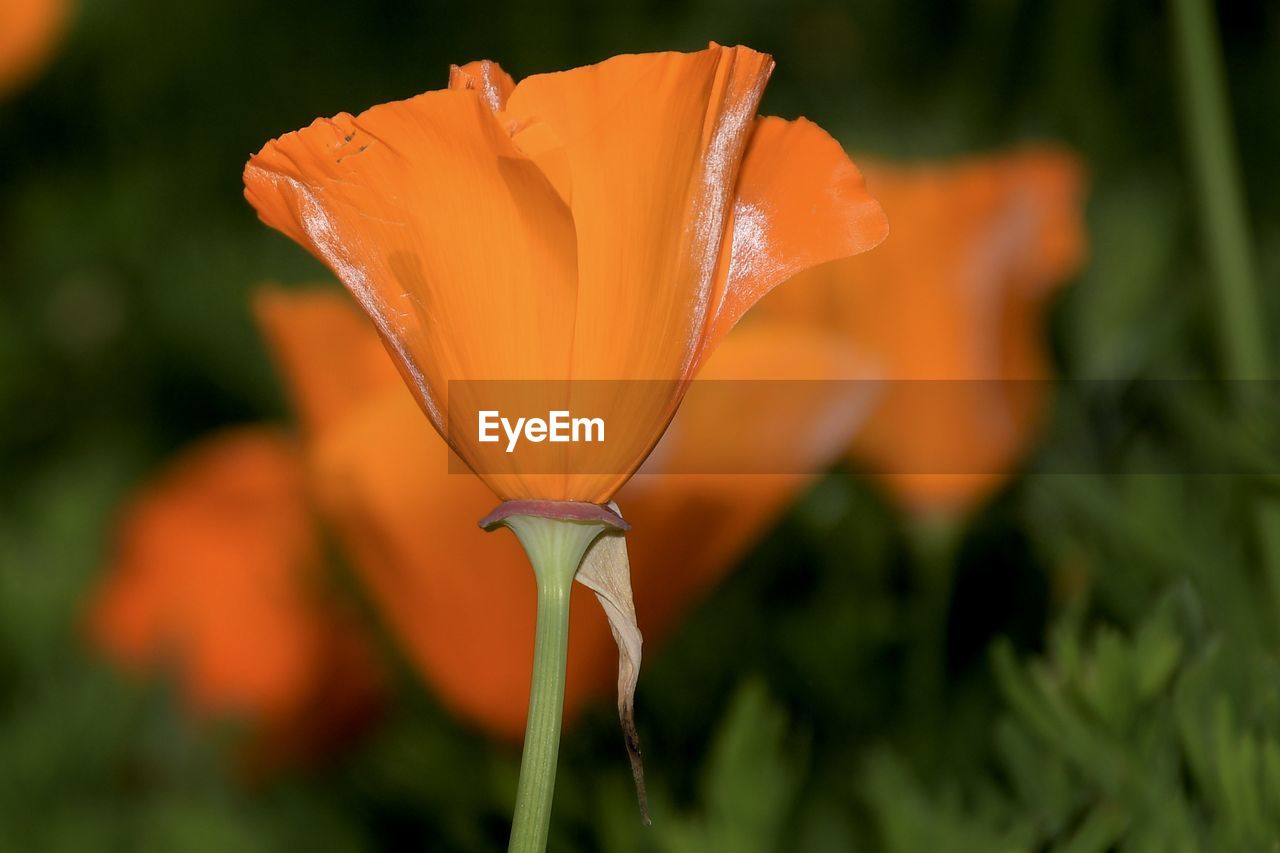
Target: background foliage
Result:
[[1112, 678]]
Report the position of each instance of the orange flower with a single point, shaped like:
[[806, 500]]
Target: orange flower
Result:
[[609, 222], [29, 29], [956, 295], [218, 574], [461, 602]]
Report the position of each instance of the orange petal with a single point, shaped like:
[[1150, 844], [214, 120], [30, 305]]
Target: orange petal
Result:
[[460, 601], [487, 78], [652, 145], [1048, 185], [953, 297], [800, 202], [689, 530], [654, 142], [776, 398], [328, 353], [450, 238], [29, 31], [216, 573]]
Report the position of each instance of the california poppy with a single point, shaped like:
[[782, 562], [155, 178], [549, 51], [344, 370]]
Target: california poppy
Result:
[[29, 29], [951, 309], [611, 222], [218, 576]]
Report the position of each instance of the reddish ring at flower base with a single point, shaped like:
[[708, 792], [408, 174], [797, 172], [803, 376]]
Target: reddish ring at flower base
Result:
[[562, 510]]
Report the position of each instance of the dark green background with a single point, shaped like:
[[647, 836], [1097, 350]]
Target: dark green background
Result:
[[1111, 680]]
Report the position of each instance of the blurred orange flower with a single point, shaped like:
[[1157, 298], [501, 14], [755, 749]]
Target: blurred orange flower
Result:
[[954, 297], [609, 222], [461, 602], [29, 30], [218, 575]]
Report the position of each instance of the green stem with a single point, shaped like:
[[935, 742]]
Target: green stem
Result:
[[1241, 332], [1207, 123], [555, 548]]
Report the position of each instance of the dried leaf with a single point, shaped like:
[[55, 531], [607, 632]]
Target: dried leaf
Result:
[[606, 571]]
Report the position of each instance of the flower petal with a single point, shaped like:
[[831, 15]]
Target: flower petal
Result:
[[690, 530], [328, 353], [645, 149], [800, 202], [776, 398], [1047, 186], [487, 78], [433, 219], [952, 307], [461, 601], [653, 142], [29, 32], [216, 572]]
